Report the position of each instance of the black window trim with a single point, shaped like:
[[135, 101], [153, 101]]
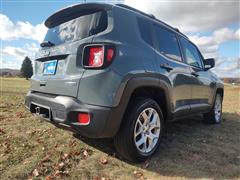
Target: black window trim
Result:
[[156, 43]]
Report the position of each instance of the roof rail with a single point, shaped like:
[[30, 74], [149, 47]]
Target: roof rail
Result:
[[151, 16]]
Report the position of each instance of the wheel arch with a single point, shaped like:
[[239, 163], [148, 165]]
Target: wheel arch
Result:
[[220, 91], [143, 86]]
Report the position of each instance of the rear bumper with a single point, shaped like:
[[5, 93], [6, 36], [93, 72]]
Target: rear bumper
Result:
[[64, 110]]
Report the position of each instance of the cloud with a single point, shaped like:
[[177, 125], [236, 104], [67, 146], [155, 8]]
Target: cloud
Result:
[[13, 31], [225, 34], [11, 64], [19, 53], [229, 67], [191, 16], [12, 57], [209, 45]]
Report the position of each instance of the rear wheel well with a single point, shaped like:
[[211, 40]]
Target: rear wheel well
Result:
[[154, 93], [220, 91]]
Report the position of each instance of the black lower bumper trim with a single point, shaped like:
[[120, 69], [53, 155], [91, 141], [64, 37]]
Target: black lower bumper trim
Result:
[[63, 112]]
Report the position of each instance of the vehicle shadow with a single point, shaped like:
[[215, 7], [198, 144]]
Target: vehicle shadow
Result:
[[192, 149]]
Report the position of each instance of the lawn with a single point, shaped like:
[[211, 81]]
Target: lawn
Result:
[[33, 149]]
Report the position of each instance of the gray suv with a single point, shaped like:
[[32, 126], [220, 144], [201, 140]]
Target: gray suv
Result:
[[111, 71]]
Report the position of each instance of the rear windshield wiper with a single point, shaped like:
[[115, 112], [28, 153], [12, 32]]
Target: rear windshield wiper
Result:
[[47, 44]]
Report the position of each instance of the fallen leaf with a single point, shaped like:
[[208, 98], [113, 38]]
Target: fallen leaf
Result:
[[46, 158], [103, 161], [61, 166], [104, 178], [35, 173], [146, 164], [96, 178], [65, 156], [66, 173], [40, 141], [138, 174], [20, 115], [57, 173], [49, 178], [26, 162], [61, 173], [77, 153], [2, 131], [85, 153], [72, 143]]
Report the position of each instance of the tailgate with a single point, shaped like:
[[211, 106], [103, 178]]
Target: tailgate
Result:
[[65, 74]]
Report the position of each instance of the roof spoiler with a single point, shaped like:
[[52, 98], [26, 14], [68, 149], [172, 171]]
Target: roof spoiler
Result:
[[74, 11]]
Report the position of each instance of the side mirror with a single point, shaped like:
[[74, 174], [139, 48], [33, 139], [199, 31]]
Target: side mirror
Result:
[[209, 63]]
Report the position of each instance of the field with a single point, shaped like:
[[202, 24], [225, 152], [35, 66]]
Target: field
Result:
[[33, 149]]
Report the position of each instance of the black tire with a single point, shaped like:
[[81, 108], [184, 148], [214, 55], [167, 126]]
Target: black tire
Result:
[[124, 140], [210, 117]]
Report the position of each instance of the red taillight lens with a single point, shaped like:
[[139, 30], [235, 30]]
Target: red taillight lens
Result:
[[98, 56], [84, 118]]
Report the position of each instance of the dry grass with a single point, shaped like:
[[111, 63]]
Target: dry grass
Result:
[[30, 147]]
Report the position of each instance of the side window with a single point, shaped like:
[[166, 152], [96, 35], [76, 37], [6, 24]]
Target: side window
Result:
[[145, 30], [168, 43], [190, 53]]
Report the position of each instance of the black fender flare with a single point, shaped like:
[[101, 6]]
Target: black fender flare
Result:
[[116, 115]]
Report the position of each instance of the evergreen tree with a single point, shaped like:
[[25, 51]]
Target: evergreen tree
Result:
[[27, 68]]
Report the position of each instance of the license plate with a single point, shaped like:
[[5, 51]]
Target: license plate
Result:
[[50, 67]]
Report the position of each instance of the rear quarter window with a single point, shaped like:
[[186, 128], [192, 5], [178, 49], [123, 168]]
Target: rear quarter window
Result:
[[78, 28], [145, 30]]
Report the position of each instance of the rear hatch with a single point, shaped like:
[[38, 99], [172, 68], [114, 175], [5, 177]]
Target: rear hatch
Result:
[[58, 64]]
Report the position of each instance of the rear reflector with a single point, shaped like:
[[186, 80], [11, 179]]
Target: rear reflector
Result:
[[83, 118], [110, 53]]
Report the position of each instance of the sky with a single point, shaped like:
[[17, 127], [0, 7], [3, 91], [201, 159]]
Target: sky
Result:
[[213, 25]]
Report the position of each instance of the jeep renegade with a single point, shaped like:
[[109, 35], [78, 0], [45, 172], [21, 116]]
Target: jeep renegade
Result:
[[111, 71]]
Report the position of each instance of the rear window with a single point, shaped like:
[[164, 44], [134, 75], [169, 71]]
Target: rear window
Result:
[[78, 28]]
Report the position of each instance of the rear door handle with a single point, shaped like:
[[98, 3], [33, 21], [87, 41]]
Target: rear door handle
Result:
[[166, 66], [194, 74]]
